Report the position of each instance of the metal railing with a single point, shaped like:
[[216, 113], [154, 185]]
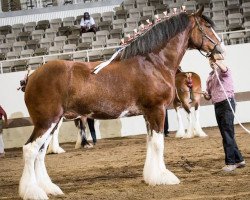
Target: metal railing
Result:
[[44, 57]]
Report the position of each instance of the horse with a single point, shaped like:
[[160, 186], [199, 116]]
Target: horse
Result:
[[188, 95], [140, 80]]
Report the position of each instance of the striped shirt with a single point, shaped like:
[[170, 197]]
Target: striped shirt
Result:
[[214, 88]]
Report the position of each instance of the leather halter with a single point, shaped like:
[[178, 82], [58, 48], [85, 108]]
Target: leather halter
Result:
[[204, 35]]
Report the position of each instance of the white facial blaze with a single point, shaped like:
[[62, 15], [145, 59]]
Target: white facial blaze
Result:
[[222, 43], [216, 35]]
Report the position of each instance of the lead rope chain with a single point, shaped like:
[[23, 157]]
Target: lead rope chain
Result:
[[217, 75]]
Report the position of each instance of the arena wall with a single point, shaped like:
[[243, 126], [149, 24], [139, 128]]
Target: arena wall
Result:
[[20, 126]]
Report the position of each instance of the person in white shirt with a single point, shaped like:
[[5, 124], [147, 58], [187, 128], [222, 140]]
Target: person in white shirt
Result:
[[88, 24]]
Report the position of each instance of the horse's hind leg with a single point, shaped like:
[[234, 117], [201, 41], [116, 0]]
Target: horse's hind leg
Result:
[[181, 131], [197, 127], [155, 172], [190, 129], [29, 187], [54, 146]]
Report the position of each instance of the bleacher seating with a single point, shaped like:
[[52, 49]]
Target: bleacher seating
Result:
[[55, 36]]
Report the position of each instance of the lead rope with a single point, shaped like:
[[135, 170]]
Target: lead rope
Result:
[[217, 75]]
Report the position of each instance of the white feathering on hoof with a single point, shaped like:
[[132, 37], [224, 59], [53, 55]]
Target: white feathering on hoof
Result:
[[197, 127], [181, 131], [78, 140], [42, 176], [155, 172], [190, 129]]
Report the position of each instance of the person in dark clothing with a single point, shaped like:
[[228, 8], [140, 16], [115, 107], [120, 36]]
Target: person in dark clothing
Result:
[[88, 24]]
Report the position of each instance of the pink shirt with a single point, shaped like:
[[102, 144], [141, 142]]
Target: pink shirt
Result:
[[214, 88]]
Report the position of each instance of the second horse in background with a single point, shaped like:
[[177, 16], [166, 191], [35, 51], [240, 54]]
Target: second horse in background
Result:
[[188, 95]]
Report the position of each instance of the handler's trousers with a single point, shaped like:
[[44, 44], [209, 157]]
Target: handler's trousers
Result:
[[225, 120]]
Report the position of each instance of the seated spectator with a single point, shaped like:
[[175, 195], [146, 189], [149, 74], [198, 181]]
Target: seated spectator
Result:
[[88, 24]]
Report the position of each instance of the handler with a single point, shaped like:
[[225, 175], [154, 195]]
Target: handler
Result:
[[224, 114]]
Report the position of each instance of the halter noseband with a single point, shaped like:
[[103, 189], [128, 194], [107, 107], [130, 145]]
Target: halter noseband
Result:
[[209, 54]]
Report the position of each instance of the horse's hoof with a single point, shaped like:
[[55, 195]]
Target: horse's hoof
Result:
[[52, 189], [165, 177], [55, 151], [60, 150], [34, 192], [187, 136], [203, 136], [88, 146]]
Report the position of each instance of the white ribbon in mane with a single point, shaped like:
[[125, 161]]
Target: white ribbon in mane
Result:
[[105, 63]]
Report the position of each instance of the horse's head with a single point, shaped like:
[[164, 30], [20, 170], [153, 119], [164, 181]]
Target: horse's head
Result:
[[204, 38]]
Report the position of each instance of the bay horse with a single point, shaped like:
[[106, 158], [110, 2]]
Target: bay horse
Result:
[[139, 81], [188, 95]]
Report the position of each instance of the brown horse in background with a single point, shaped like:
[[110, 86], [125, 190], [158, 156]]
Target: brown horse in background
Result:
[[139, 81], [188, 95]]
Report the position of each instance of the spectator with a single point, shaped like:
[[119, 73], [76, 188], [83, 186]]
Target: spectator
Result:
[[2, 114], [224, 114], [88, 24]]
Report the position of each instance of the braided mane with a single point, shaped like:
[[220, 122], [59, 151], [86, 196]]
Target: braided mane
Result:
[[156, 36]]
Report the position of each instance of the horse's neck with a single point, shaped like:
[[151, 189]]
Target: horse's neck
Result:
[[175, 49]]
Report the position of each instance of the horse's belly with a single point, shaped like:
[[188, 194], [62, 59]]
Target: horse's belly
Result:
[[114, 113]]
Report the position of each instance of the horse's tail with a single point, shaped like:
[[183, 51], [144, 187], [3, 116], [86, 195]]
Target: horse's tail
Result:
[[189, 83]]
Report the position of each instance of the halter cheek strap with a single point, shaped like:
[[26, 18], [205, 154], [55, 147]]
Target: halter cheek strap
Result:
[[206, 36]]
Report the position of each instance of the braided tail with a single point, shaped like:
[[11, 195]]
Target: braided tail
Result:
[[189, 83]]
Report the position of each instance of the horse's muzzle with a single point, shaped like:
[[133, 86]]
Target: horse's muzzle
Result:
[[219, 52]]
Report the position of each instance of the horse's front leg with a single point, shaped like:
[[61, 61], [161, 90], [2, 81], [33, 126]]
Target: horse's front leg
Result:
[[155, 172]]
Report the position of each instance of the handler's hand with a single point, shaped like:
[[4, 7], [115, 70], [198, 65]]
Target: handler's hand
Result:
[[206, 95]]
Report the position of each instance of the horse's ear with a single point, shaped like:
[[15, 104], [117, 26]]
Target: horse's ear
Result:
[[200, 11]]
